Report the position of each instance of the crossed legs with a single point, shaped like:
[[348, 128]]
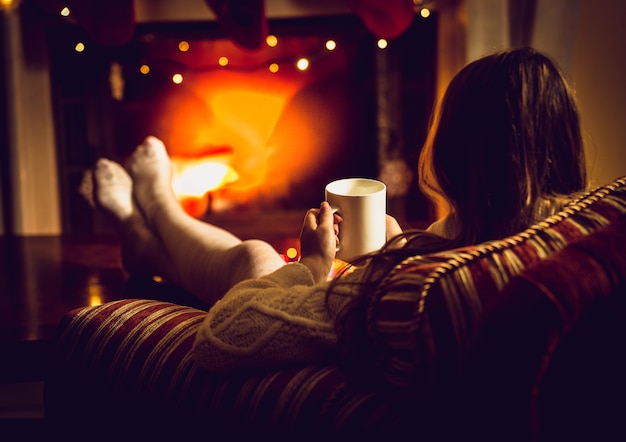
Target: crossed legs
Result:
[[158, 237]]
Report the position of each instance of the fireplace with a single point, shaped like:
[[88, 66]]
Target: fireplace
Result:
[[249, 132]]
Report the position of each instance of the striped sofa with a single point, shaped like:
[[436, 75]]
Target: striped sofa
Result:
[[124, 370]]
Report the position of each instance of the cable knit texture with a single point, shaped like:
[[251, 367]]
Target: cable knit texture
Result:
[[283, 317]]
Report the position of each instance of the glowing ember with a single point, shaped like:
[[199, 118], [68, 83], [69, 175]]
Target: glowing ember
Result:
[[197, 177], [194, 178]]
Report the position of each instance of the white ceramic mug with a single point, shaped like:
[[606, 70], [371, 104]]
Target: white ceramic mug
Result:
[[362, 203]]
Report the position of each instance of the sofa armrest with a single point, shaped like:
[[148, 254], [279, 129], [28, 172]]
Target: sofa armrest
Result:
[[423, 317], [540, 360], [130, 365], [144, 344]]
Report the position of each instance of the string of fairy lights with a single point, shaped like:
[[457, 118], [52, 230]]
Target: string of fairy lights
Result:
[[300, 63]]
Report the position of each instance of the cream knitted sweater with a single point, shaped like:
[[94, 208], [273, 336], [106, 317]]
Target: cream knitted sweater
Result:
[[278, 319]]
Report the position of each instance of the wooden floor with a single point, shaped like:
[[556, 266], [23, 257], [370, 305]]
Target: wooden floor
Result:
[[43, 277]]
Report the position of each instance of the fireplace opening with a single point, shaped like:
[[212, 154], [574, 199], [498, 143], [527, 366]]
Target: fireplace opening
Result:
[[249, 132]]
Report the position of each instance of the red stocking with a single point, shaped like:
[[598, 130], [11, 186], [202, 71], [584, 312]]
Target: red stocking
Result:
[[385, 18]]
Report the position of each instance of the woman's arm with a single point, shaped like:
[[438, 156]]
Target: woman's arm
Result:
[[282, 318]]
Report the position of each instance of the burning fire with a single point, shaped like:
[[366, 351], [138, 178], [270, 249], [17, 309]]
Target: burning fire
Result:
[[247, 139], [193, 179], [228, 142], [197, 177]]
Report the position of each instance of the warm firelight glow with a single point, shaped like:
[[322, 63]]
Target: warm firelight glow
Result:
[[232, 126], [65, 12], [94, 290], [331, 45], [382, 43], [425, 13], [197, 177], [144, 69], [267, 128], [80, 47], [194, 178], [95, 300], [222, 61], [183, 46], [177, 78]]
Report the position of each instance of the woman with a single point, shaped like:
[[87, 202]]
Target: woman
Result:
[[503, 152]]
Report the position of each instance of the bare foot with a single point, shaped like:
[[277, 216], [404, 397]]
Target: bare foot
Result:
[[142, 251], [151, 170]]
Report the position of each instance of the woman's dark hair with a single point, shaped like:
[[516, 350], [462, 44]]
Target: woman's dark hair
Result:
[[504, 143], [504, 150]]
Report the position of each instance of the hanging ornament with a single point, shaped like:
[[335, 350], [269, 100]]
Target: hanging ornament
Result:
[[385, 18]]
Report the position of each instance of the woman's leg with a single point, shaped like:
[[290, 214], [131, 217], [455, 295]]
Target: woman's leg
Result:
[[142, 251], [206, 259]]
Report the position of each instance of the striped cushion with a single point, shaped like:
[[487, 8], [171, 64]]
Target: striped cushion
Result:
[[131, 361], [423, 316]]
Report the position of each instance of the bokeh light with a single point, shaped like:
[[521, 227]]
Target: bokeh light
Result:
[[302, 64], [291, 253], [271, 41]]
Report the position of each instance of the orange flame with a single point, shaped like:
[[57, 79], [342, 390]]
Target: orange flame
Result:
[[197, 177], [272, 132]]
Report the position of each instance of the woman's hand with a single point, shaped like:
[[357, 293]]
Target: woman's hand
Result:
[[318, 240]]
